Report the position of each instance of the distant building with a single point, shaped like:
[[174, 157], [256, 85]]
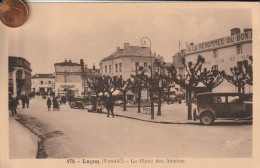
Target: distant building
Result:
[[68, 77], [19, 74], [223, 53], [43, 83], [88, 74], [126, 61]]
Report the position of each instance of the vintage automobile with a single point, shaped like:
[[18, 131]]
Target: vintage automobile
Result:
[[213, 106], [78, 102]]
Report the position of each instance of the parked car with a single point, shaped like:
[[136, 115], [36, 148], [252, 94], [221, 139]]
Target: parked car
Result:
[[78, 102], [213, 106]]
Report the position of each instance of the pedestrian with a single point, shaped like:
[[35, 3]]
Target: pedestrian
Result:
[[58, 104], [23, 100], [27, 101], [55, 103], [110, 105], [49, 104], [13, 105]]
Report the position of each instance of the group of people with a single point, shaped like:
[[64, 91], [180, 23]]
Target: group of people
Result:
[[25, 101], [55, 103]]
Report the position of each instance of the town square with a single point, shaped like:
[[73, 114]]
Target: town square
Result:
[[102, 80]]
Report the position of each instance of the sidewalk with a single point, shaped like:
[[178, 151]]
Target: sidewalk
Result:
[[22, 143], [170, 114]]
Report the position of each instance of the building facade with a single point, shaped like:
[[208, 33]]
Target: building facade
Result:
[[223, 54], [126, 61], [43, 83], [19, 74], [68, 77]]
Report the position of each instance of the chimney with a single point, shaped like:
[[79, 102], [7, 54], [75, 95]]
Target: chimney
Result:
[[82, 63], [235, 31], [94, 66], [191, 43], [70, 60], [117, 50], [246, 30], [126, 45], [65, 60]]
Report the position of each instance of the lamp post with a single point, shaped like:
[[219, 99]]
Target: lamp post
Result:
[[143, 42]]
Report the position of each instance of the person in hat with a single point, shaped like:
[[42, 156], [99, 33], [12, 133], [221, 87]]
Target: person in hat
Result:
[[110, 105]]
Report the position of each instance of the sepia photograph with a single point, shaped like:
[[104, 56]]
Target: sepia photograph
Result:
[[127, 83]]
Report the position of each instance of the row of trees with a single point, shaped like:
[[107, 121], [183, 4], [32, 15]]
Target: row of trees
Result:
[[164, 78]]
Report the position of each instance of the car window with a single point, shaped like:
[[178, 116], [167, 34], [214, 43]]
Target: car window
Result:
[[219, 99], [234, 99]]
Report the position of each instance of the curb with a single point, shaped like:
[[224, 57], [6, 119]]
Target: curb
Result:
[[151, 121]]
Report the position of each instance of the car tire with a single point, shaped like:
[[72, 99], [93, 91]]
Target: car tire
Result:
[[194, 114], [206, 118]]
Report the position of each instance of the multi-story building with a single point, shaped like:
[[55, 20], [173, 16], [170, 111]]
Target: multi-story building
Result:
[[126, 61], [19, 75], [88, 74], [68, 76], [224, 53], [43, 83]]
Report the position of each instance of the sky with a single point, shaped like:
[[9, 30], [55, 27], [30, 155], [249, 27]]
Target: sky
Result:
[[92, 31]]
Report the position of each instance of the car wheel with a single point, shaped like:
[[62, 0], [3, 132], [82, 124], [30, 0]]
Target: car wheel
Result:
[[206, 118]]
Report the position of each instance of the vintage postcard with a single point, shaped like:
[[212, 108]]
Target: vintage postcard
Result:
[[129, 84]]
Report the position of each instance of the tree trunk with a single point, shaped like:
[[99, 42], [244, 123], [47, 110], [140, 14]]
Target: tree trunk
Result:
[[239, 89], [188, 94], [139, 102], [168, 99], [159, 103], [152, 105], [124, 95]]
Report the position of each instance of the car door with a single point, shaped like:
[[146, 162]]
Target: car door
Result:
[[219, 106], [235, 107]]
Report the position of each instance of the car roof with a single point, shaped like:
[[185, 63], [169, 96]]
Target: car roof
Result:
[[222, 93]]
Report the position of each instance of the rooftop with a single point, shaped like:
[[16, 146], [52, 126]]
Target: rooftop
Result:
[[128, 50], [67, 63], [43, 76]]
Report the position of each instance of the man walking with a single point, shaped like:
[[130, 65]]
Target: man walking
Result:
[[23, 100], [110, 105], [49, 104], [27, 101]]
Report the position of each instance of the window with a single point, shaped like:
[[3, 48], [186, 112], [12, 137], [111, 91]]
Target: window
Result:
[[105, 69], [239, 49], [145, 64], [49, 82], [116, 67], [215, 67], [109, 68], [136, 66], [121, 76], [215, 53], [41, 82], [233, 99], [120, 67], [239, 65], [232, 58]]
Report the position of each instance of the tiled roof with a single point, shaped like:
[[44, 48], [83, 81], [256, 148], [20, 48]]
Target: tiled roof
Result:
[[131, 51], [67, 63]]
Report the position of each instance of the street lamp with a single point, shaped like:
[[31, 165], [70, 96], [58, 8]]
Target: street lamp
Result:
[[143, 42]]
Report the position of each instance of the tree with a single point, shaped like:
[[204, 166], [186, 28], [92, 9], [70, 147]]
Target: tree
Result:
[[191, 79], [138, 83], [123, 86], [161, 81], [211, 78], [241, 75], [109, 84], [95, 84]]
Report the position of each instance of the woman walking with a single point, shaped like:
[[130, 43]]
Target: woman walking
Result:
[[49, 104]]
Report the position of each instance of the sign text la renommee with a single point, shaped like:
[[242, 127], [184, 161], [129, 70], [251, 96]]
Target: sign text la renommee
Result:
[[221, 42]]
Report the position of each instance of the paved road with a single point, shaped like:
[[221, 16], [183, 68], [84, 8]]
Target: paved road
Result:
[[77, 133]]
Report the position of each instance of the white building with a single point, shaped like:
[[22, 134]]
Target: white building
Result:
[[68, 76], [124, 62], [224, 53], [43, 83]]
